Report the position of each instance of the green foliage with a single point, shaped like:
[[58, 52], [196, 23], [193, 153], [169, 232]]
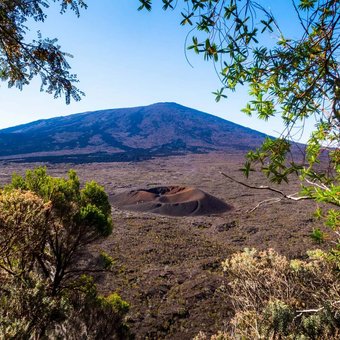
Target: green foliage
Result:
[[95, 219], [88, 210], [59, 191], [317, 235], [313, 326], [106, 260], [278, 316], [95, 194], [272, 157], [22, 60], [46, 224], [294, 77], [94, 316], [116, 303]]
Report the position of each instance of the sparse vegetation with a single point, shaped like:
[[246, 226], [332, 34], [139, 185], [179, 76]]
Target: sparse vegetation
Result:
[[317, 235], [179, 265]]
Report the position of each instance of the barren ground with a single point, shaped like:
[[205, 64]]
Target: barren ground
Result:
[[168, 268]]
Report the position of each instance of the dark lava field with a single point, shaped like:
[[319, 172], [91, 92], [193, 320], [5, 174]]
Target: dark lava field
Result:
[[169, 267]]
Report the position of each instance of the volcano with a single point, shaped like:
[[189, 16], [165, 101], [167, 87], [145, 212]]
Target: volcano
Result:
[[128, 134]]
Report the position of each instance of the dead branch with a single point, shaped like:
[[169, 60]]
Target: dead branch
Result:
[[265, 187], [320, 186], [267, 201], [316, 310], [310, 310]]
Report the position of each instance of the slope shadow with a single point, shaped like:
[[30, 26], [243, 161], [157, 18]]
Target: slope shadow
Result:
[[171, 201]]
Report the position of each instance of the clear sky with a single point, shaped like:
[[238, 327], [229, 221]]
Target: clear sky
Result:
[[126, 58]]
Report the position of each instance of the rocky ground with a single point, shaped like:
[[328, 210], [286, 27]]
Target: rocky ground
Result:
[[169, 268]]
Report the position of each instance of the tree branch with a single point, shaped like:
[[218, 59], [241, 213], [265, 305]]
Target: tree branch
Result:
[[265, 187], [320, 186], [267, 201]]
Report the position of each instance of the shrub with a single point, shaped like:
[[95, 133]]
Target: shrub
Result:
[[46, 223], [274, 298], [106, 260]]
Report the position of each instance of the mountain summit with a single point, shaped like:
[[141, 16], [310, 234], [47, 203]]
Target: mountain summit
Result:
[[136, 133]]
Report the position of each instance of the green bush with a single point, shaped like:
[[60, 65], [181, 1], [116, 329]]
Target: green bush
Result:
[[105, 260], [46, 223]]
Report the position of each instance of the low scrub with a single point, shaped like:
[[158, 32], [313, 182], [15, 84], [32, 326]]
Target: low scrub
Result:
[[277, 298]]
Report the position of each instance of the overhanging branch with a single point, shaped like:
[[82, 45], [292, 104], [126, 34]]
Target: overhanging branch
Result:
[[265, 187]]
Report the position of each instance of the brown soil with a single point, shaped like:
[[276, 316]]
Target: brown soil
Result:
[[169, 268], [171, 201]]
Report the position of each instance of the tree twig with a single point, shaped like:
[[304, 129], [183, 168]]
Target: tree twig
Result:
[[268, 201], [314, 310], [265, 187], [321, 185], [310, 310]]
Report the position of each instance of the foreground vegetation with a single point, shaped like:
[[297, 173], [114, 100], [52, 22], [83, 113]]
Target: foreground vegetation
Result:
[[274, 298], [270, 295], [46, 223]]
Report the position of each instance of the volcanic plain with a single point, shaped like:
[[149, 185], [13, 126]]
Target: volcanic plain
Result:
[[169, 267]]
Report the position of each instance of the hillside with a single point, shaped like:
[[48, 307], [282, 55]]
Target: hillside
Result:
[[137, 133]]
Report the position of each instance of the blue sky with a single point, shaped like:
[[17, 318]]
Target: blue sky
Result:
[[126, 58]]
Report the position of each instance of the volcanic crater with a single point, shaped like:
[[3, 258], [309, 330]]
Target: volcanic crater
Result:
[[171, 201]]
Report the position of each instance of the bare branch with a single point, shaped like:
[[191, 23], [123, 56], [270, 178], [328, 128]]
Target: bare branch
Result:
[[310, 310], [267, 201], [315, 310], [265, 187], [321, 186]]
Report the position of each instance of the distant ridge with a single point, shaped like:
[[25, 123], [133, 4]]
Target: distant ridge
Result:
[[126, 134]]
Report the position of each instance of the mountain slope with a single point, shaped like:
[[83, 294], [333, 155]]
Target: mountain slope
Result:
[[125, 134]]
